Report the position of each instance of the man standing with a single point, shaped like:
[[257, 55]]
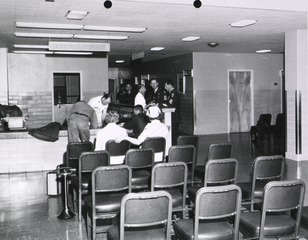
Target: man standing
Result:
[[129, 95], [156, 94], [100, 106], [137, 122], [78, 122], [173, 102]]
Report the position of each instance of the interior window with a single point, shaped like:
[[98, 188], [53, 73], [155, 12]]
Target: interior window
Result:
[[66, 88]]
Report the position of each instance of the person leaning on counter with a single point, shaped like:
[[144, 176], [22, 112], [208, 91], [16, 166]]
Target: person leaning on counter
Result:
[[100, 106], [78, 122]]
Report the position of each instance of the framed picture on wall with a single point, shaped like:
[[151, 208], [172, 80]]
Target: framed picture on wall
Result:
[[181, 83]]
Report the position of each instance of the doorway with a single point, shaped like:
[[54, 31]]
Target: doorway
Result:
[[240, 100]]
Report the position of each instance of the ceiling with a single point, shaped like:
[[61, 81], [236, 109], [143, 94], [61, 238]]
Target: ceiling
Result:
[[167, 22]]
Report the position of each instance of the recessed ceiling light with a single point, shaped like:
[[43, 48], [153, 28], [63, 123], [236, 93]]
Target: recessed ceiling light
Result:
[[43, 35], [155, 49], [213, 44], [48, 25], [74, 53], [243, 23], [100, 37], [190, 39], [76, 15], [33, 52], [30, 46], [264, 51], [114, 29], [119, 61]]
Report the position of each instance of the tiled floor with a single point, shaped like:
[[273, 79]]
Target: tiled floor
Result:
[[27, 213]]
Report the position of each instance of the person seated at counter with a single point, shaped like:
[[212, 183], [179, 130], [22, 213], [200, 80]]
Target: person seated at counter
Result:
[[110, 132], [153, 129], [137, 123]]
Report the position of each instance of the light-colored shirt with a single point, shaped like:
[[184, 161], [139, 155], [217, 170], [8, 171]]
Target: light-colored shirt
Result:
[[154, 129], [110, 132], [140, 100], [99, 108]]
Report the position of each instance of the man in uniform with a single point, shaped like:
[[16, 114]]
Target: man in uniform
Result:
[[172, 101], [100, 106], [156, 94]]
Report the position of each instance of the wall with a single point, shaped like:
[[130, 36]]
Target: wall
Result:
[[3, 76], [31, 82], [169, 68], [211, 87]]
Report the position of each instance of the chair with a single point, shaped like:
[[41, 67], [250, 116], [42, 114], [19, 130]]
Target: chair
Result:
[[278, 130], [117, 151], [265, 169], [262, 127], [274, 220], [74, 150], [214, 208], [188, 140], [171, 177], [186, 154], [217, 172], [145, 215], [158, 144], [88, 161], [141, 162], [216, 151], [109, 185]]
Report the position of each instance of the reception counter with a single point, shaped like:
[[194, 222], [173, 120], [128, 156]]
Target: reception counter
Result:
[[20, 152]]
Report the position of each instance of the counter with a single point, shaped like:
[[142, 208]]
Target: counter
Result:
[[20, 152]]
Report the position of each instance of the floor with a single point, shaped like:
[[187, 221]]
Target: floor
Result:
[[27, 213]]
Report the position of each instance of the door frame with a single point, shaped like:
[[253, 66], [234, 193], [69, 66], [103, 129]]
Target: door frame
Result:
[[52, 89], [251, 95]]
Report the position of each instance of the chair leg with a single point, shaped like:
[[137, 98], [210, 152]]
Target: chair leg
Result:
[[89, 233], [79, 206], [93, 228]]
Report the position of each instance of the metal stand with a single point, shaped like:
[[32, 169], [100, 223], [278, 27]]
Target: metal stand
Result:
[[66, 213]]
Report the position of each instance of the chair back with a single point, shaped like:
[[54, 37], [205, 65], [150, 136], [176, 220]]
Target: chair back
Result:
[[283, 196], [74, 150], [188, 140], [158, 144], [221, 171], [280, 121], [117, 151], [268, 168], [220, 151], [146, 210], [264, 120], [88, 161], [139, 158], [216, 203]]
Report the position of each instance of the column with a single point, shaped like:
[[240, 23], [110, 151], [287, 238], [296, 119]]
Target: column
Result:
[[3, 76]]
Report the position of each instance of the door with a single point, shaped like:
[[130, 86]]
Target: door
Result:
[[240, 100]]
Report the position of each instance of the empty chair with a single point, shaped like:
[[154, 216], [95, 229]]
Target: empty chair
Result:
[[186, 154], [278, 129], [88, 161], [171, 177], [117, 151], [264, 170], [274, 220], [141, 162], [262, 127], [213, 209], [145, 215], [216, 151], [109, 185], [188, 140], [217, 172], [158, 144], [74, 150]]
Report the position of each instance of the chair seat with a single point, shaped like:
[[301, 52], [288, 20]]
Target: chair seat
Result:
[[200, 171], [140, 234], [275, 224], [184, 229], [140, 177], [246, 189], [105, 203]]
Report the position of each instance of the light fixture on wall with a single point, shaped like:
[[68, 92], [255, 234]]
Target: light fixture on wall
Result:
[[197, 3], [107, 4]]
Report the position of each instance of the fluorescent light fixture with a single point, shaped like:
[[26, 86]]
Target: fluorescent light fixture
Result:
[[243, 23], [100, 37], [30, 46], [114, 29], [33, 52], [76, 15], [156, 49], [264, 51], [119, 61], [190, 39], [74, 53], [48, 25], [43, 35]]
